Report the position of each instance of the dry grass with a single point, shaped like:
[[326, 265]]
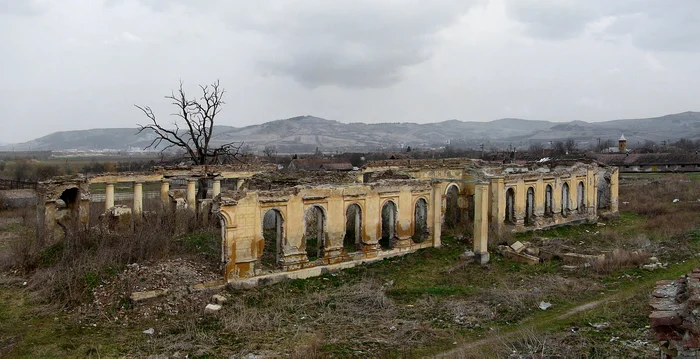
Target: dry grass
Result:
[[653, 200], [65, 271]]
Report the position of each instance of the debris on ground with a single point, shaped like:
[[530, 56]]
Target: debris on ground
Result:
[[518, 252], [148, 290], [599, 326], [212, 308], [545, 305], [654, 264]]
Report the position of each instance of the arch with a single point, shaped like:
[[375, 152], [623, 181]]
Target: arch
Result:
[[352, 241], [273, 237], [565, 205], [314, 232], [530, 206], [389, 219], [451, 187], [581, 196], [420, 220], [604, 191], [510, 205], [452, 210], [224, 248], [71, 197], [548, 208]]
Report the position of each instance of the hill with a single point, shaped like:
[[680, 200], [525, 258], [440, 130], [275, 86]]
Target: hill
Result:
[[306, 133]]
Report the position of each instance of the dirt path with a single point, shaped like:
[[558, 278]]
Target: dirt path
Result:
[[469, 348]]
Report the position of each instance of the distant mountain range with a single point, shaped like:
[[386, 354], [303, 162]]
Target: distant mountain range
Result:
[[306, 133]]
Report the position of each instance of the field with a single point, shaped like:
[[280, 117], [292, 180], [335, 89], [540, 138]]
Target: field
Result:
[[429, 303]]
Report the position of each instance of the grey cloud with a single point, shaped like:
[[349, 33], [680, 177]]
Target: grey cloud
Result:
[[553, 19], [19, 7], [355, 43], [348, 43], [650, 24]]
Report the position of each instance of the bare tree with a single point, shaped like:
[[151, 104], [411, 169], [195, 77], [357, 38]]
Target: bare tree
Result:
[[270, 151], [570, 145], [195, 137], [536, 148]]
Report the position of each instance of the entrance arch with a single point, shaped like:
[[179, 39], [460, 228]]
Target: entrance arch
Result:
[[530, 206], [581, 196], [314, 232], [452, 210], [565, 206], [389, 216], [273, 237], [352, 242], [420, 221], [510, 206]]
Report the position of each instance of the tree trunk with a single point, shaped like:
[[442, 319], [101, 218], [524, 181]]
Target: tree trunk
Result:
[[203, 187]]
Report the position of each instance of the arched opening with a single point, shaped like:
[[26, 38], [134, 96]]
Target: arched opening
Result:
[[604, 193], [352, 242], [565, 199], [548, 209], [420, 221], [314, 232], [510, 206], [581, 196], [452, 211], [273, 237], [389, 214], [71, 197], [530, 206], [68, 210]]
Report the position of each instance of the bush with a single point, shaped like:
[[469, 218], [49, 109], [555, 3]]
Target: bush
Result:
[[65, 272]]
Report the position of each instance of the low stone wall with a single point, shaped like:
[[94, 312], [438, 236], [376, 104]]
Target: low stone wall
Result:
[[675, 319], [17, 198]]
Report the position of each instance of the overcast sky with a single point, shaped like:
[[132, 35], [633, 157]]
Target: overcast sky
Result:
[[79, 64]]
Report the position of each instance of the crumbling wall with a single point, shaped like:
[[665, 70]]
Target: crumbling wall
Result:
[[245, 241], [62, 201], [675, 319]]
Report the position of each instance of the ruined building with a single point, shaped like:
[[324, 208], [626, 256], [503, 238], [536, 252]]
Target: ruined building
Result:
[[295, 224]]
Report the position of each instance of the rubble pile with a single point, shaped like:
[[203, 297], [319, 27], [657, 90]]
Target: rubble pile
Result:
[[549, 249], [149, 290]]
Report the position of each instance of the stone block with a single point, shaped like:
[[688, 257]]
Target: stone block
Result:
[[522, 258], [212, 308], [218, 299], [578, 258], [150, 294], [665, 318], [517, 246]]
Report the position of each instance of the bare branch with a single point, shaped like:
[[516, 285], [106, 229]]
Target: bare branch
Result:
[[199, 115]]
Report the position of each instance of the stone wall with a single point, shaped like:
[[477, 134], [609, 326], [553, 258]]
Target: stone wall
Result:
[[675, 319]]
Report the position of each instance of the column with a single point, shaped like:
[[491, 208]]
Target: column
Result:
[[164, 189], [216, 187], [358, 235], [614, 191], [109, 196], [138, 198], [191, 194], [520, 197], [437, 214], [481, 223], [498, 207]]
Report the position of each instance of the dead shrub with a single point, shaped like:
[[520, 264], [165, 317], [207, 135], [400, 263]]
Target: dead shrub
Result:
[[64, 272], [620, 259]]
